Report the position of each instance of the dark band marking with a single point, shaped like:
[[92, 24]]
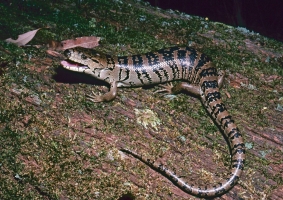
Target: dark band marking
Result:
[[233, 132], [153, 60], [209, 84], [159, 75], [218, 109], [208, 72], [137, 62], [202, 61], [110, 61], [123, 61], [124, 71], [213, 96]]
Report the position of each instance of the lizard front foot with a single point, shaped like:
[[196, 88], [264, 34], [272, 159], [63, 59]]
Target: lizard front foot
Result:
[[95, 98], [105, 97]]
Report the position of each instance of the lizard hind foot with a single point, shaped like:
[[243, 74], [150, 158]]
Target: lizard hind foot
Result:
[[166, 88]]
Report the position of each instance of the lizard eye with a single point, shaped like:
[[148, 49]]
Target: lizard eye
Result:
[[68, 53], [83, 57]]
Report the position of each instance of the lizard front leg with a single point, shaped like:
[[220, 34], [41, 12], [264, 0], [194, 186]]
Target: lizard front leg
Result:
[[105, 97]]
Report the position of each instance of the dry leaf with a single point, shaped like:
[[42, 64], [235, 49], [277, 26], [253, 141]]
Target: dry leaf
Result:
[[24, 38], [237, 79], [227, 94], [85, 42]]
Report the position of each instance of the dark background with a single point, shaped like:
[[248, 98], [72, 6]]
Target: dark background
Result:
[[262, 16]]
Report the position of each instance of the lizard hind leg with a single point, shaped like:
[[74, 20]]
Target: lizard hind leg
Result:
[[195, 89], [180, 87], [190, 88]]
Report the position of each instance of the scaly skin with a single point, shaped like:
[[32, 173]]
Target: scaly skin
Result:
[[177, 63]]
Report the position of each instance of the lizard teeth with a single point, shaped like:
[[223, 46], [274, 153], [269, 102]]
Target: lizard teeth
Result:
[[73, 65]]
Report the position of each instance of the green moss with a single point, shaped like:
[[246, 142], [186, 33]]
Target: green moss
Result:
[[45, 148]]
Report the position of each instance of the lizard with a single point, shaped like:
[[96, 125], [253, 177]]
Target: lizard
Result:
[[198, 76]]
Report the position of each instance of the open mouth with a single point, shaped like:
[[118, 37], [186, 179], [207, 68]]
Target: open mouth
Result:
[[70, 64]]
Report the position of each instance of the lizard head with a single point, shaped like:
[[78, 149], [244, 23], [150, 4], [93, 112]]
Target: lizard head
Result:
[[83, 60]]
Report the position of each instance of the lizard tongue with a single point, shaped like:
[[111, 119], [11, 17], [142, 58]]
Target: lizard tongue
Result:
[[67, 64]]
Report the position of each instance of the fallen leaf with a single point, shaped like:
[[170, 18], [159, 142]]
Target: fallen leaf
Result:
[[23, 39], [237, 80], [85, 42], [227, 94]]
